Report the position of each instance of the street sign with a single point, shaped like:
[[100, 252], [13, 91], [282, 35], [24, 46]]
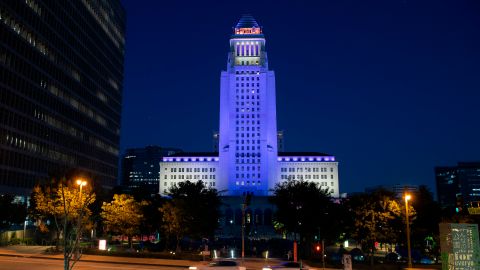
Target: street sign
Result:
[[459, 246]]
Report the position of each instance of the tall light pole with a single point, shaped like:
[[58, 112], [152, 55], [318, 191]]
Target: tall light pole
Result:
[[407, 198]]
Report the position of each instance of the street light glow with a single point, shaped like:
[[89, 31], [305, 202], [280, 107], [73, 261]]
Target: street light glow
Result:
[[81, 182], [407, 197]]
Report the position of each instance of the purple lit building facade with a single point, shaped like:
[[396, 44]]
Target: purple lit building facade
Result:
[[248, 158]]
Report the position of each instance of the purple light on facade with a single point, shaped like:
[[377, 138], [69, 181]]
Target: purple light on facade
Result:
[[209, 159], [279, 159], [287, 159], [201, 159], [178, 159], [302, 159], [217, 159], [295, 159], [310, 159]]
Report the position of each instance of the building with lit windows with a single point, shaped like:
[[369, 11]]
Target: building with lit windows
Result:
[[61, 77], [140, 167], [458, 186], [248, 158]]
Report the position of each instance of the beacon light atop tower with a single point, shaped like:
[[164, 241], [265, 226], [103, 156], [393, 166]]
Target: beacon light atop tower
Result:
[[247, 25]]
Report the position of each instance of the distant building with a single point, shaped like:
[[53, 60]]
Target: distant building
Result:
[[61, 80], [140, 166], [458, 185], [250, 157]]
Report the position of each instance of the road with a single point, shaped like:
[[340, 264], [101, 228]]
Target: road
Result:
[[21, 263]]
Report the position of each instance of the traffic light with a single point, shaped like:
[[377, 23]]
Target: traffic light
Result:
[[318, 247]]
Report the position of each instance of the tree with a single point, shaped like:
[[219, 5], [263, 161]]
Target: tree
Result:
[[123, 215], [67, 204], [12, 212], [193, 210], [304, 208], [377, 216], [429, 215], [201, 206], [174, 222]]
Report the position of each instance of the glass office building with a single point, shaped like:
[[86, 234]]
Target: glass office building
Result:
[[61, 76]]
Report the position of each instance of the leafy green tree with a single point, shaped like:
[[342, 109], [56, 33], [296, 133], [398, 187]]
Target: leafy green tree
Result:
[[201, 206], [123, 215], [174, 222], [377, 216], [304, 209], [67, 204], [12, 212], [193, 210]]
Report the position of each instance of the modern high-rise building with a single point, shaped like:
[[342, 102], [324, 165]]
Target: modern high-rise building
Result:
[[61, 77], [248, 158], [140, 166], [459, 185]]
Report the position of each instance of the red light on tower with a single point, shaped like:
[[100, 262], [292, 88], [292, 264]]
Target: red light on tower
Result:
[[317, 248]]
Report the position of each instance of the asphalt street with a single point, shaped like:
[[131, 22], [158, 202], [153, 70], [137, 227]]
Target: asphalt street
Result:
[[22, 263]]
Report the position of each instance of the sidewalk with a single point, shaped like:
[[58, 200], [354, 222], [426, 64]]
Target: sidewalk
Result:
[[37, 252]]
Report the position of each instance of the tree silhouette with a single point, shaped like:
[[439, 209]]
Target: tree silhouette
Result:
[[303, 209]]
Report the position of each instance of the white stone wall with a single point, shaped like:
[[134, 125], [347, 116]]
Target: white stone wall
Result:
[[325, 173], [203, 169]]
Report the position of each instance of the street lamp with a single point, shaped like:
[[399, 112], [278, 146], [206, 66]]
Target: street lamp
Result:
[[81, 183], [407, 198]]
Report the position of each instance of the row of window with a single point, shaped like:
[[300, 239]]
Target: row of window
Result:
[[305, 177], [247, 141], [247, 115], [306, 169], [247, 84], [246, 91], [247, 72], [210, 184], [247, 50], [191, 169], [74, 132], [248, 183], [247, 78], [242, 154], [247, 168], [247, 161], [189, 176]]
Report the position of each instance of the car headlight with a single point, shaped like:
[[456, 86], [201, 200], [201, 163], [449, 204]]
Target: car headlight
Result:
[[192, 268], [266, 268]]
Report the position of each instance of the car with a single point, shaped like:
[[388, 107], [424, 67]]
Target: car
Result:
[[427, 260], [218, 265], [357, 255], [288, 266], [393, 257]]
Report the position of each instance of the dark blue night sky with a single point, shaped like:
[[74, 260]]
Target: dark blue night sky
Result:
[[391, 87]]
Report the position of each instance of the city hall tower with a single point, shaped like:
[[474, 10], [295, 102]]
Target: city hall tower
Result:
[[248, 122]]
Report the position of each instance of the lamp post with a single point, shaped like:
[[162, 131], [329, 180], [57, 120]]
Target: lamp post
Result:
[[407, 198], [81, 183]]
